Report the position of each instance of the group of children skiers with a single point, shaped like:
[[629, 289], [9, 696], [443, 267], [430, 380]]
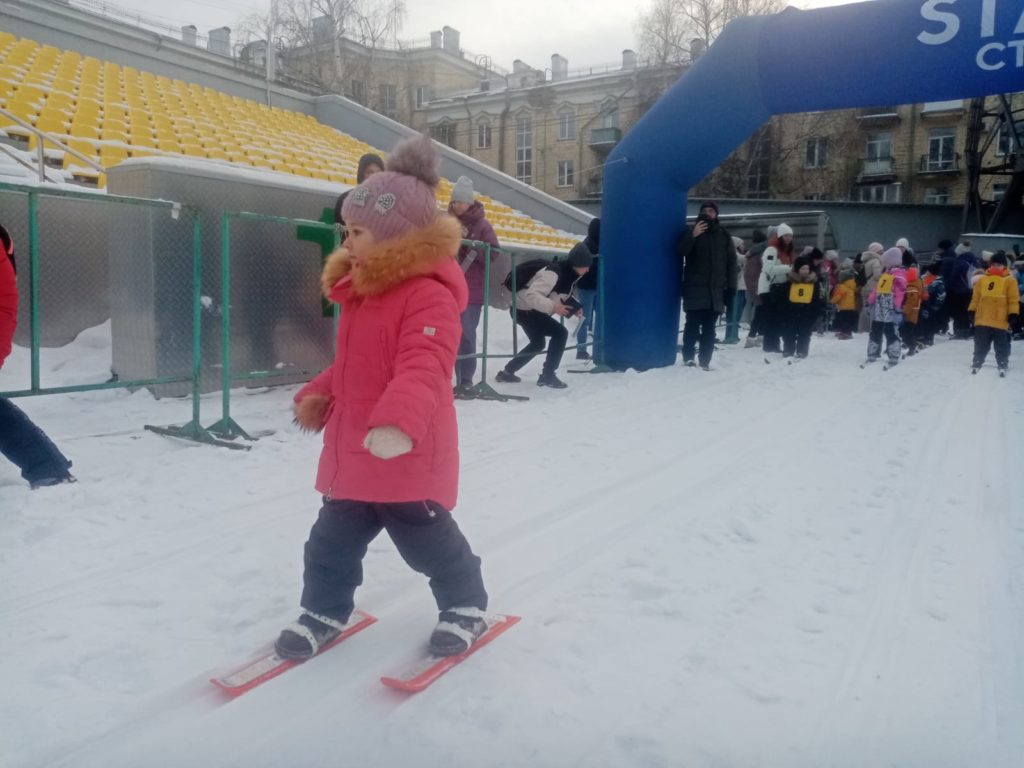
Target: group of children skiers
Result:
[[885, 292]]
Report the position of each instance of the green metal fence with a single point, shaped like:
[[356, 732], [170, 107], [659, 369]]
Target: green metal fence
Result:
[[64, 240]]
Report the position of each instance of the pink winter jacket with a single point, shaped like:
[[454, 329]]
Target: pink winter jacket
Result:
[[397, 340]]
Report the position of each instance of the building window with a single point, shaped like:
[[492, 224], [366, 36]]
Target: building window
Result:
[[359, 91], [524, 150], [879, 146], [812, 196], [879, 193], [566, 126], [941, 149], [609, 115], [483, 134], [759, 166], [422, 96], [1008, 144], [817, 153], [999, 191], [444, 133], [566, 174], [387, 104], [936, 196]]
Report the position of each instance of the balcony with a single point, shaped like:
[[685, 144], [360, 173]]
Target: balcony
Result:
[[604, 139], [943, 109], [877, 169], [872, 117], [939, 165]]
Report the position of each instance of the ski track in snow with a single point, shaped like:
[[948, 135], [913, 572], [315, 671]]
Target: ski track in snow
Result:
[[789, 566]]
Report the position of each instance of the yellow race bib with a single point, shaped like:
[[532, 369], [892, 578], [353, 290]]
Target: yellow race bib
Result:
[[801, 293], [884, 285], [993, 287]]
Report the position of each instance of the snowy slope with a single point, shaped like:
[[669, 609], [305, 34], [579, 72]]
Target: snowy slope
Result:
[[807, 565]]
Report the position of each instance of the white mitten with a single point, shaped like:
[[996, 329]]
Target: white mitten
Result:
[[387, 442]]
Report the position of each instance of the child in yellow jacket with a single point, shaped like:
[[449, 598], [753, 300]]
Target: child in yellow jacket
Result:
[[995, 303], [844, 296]]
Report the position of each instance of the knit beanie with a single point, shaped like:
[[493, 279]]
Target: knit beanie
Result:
[[709, 204], [759, 236], [945, 245], [962, 248], [783, 230], [462, 191], [876, 248], [999, 257], [892, 258], [580, 256], [832, 255], [903, 243], [399, 199], [365, 162], [986, 256]]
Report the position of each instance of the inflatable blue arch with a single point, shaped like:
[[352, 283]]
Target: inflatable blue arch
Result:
[[880, 52]]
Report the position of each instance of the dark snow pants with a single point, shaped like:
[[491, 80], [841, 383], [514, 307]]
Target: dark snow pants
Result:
[[699, 327], [539, 326], [425, 535], [984, 339], [28, 447]]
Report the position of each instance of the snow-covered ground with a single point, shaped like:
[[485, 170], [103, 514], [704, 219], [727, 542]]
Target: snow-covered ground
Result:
[[765, 565]]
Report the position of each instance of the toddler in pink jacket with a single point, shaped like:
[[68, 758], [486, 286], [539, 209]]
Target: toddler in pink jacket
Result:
[[391, 456]]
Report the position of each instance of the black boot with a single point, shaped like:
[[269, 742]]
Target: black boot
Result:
[[550, 380], [307, 636], [457, 629], [506, 378]]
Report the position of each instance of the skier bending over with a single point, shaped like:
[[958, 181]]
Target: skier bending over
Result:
[[391, 457]]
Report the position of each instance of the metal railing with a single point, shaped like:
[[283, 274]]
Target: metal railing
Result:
[[41, 138], [118, 210]]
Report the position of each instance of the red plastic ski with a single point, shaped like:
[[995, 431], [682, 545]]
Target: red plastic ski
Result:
[[425, 671], [270, 665]]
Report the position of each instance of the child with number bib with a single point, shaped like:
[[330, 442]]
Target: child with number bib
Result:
[[995, 305], [884, 305], [844, 296], [801, 308], [391, 445]]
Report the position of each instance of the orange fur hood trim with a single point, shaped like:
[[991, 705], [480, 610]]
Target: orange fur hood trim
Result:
[[394, 261]]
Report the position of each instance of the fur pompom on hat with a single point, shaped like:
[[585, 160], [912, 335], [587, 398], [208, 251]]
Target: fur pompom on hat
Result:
[[580, 256], [462, 191], [892, 258], [782, 230], [400, 198]]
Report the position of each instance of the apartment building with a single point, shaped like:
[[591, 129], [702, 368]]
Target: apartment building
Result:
[[551, 128]]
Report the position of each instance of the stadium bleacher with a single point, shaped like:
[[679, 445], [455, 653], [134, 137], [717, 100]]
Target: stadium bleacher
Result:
[[111, 113]]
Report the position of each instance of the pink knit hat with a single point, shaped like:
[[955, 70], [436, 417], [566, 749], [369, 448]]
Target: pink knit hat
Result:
[[892, 258], [399, 199]]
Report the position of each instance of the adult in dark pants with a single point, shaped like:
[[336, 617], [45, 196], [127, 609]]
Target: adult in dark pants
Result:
[[587, 287], [751, 278], [776, 262], [958, 294], [709, 280], [544, 296], [21, 441]]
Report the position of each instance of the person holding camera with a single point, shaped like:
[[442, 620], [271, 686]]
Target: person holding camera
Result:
[[709, 281], [544, 290]]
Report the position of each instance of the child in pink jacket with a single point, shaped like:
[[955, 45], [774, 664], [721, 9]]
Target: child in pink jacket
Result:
[[391, 452], [885, 303]]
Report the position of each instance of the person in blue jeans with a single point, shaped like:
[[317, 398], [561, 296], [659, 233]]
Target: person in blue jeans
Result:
[[739, 298], [21, 441], [587, 291]]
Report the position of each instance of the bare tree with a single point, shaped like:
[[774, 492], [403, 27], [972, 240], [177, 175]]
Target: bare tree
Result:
[[667, 27]]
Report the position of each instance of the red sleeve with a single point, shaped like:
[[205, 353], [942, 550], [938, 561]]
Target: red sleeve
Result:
[[320, 385], [428, 340], [8, 306]]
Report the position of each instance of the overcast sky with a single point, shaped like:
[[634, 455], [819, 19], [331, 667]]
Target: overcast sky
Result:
[[587, 32]]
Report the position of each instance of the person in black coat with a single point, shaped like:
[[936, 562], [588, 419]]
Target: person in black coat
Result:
[[709, 280]]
